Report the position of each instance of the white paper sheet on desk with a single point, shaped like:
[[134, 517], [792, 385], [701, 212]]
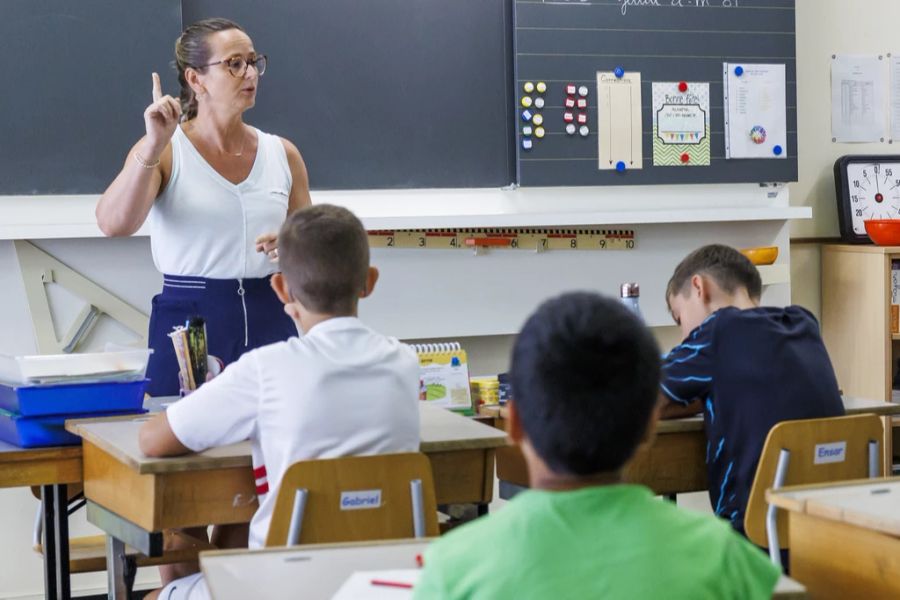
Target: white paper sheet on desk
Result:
[[857, 99], [755, 111], [359, 585]]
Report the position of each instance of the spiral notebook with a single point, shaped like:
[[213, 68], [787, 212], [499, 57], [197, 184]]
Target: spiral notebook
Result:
[[444, 376]]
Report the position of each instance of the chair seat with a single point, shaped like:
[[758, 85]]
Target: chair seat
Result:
[[88, 554]]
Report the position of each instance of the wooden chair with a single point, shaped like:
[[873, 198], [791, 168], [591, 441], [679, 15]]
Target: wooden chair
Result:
[[805, 452], [358, 498]]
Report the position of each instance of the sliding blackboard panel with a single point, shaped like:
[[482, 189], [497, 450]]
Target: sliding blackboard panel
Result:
[[568, 42], [76, 83], [384, 94]]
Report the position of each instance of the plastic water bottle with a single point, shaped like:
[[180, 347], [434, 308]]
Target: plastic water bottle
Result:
[[630, 295]]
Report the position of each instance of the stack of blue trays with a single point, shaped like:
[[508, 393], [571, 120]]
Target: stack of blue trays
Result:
[[35, 415]]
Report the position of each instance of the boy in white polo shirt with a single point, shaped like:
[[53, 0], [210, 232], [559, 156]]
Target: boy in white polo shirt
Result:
[[340, 390]]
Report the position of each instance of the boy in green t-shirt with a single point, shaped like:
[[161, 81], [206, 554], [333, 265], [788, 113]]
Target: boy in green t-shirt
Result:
[[585, 375]]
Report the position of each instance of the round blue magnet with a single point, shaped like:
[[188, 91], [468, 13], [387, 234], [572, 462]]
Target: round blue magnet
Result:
[[777, 150], [619, 72], [620, 166], [454, 361], [739, 70]]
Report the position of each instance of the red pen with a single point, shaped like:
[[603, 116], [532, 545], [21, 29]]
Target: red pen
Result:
[[397, 584]]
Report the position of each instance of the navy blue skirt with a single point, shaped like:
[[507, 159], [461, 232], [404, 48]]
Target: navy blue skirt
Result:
[[240, 314]]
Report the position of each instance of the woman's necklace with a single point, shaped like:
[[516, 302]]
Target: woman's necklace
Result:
[[243, 142]]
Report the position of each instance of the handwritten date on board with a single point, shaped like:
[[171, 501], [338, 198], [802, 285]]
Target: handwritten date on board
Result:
[[625, 4]]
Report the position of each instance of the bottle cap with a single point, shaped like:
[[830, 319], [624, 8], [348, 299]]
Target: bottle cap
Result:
[[570, 102], [583, 91], [581, 103], [582, 118], [526, 115], [526, 130], [526, 101], [528, 87], [537, 119], [527, 143], [570, 89], [570, 128], [584, 130], [568, 117], [541, 87], [539, 102], [538, 132], [629, 290]]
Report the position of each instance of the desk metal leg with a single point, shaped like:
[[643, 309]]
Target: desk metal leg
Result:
[[115, 569], [49, 524], [61, 534]]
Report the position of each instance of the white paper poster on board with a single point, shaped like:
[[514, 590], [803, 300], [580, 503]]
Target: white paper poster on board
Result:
[[680, 124], [619, 128], [755, 111], [857, 99], [895, 96]]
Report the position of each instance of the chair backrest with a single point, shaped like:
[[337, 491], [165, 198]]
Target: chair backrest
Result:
[[355, 498], [821, 451]]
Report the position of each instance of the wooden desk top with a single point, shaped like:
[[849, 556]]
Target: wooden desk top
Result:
[[853, 406], [441, 431], [868, 503], [314, 571], [317, 571]]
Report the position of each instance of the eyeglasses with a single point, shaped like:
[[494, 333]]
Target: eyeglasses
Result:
[[237, 65]]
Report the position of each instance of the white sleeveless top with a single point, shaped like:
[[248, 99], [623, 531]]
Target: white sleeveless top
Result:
[[203, 225]]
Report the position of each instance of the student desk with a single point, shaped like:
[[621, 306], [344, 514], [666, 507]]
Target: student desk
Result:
[[318, 571], [675, 462], [52, 469], [133, 498], [844, 538]]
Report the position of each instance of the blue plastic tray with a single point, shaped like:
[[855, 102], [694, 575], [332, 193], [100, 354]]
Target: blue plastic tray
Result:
[[81, 398], [47, 430]]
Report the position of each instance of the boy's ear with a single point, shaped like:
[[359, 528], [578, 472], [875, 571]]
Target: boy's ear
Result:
[[280, 287], [700, 287], [514, 424], [371, 280]]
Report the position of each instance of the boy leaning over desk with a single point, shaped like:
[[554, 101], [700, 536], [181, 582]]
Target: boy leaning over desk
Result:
[[340, 390], [744, 366], [586, 376]]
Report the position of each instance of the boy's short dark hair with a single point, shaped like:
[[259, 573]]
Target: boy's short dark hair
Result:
[[323, 253], [585, 376], [723, 264]]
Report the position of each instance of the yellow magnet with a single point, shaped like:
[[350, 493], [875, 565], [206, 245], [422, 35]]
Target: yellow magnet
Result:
[[526, 101], [538, 132]]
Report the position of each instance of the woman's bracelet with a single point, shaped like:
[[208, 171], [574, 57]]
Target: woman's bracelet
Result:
[[140, 160]]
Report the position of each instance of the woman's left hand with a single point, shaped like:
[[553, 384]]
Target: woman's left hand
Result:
[[267, 243]]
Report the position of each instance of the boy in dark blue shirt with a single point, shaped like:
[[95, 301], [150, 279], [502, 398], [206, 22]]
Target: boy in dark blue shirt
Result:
[[745, 367]]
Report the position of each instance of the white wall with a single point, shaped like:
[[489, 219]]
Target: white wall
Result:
[[826, 27]]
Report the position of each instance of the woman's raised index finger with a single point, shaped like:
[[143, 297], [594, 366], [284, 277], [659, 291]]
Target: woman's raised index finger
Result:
[[157, 88]]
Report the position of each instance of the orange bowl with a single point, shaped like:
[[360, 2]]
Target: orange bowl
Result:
[[764, 255], [884, 232]]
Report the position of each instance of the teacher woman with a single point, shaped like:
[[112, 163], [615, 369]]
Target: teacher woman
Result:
[[217, 191]]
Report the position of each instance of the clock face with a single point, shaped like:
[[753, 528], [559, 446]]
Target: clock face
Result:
[[874, 189]]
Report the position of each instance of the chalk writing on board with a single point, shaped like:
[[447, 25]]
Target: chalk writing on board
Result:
[[625, 4]]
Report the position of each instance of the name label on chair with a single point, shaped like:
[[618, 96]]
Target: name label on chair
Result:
[[834, 452], [361, 499]]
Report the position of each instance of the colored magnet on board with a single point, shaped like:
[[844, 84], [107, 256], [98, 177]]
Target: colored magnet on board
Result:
[[568, 117], [570, 89], [758, 134], [739, 70], [570, 102], [526, 101], [777, 150], [538, 119], [570, 128], [583, 91], [539, 102], [619, 72], [685, 158], [620, 166], [528, 87], [581, 103], [527, 144], [541, 87], [683, 87], [527, 130], [584, 130], [582, 118], [526, 115], [539, 132]]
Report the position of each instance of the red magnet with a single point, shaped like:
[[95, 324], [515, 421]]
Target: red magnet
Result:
[[685, 158], [682, 87], [581, 103], [570, 102], [568, 117], [582, 118], [571, 90]]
